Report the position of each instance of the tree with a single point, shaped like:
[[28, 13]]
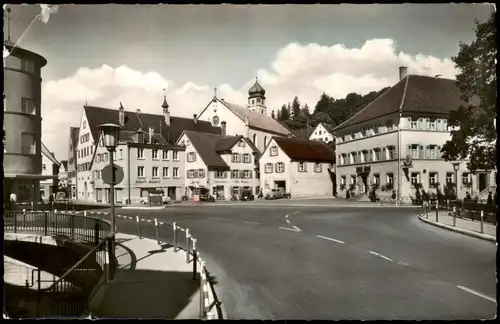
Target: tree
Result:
[[295, 108], [283, 113], [473, 135], [273, 116], [323, 105]]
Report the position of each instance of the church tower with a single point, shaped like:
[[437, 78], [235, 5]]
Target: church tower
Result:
[[256, 98]]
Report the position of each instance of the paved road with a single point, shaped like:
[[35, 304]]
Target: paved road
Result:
[[336, 263]]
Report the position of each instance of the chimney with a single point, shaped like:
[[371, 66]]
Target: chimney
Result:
[[166, 113], [151, 132], [195, 118], [403, 71], [223, 128], [138, 111], [121, 115]]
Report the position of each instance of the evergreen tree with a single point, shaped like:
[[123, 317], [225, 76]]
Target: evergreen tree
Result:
[[295, 108], [273, 116], [283, 114]]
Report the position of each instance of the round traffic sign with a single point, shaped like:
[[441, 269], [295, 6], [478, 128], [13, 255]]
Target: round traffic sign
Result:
[[112, 174]]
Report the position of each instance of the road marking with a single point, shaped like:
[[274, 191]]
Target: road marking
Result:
[[252, 223], [403, 263], [380, 255], [294, 229], [130, 217], [149, 221], [288, 221], [477, 294], [330, 239], [218, 218], [286, 216], [161, 223]]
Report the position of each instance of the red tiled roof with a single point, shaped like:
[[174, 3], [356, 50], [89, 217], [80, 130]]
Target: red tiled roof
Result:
[[414, 94], [298, 149]]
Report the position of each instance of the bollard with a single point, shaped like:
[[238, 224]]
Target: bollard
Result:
[[195, 259], [46, 222], [454, 216], [187, 245], [447, 205], [85, 213], [32, 206], [96, 232], [202, 290], [157, 231], [15, 222], [482, 221], [72, 226], [138, 226], [175, 237], [24, 217], [437, 211]]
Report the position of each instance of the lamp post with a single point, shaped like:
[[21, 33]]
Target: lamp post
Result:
[[110, 133], [456, 167]]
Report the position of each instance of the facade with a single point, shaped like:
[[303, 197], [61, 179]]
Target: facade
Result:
[[72, 161], [225, 165], [251, 121], [397, 139], [301, 167], [50, 170], [320, 133], [22, 124], [141, 134]]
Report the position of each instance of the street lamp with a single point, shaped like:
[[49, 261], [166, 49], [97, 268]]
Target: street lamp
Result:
[[110, 134], [456, 167]]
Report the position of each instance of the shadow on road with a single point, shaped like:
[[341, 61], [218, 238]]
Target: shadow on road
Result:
[[147, 294]]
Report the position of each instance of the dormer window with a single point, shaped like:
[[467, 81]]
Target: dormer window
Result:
[[274, 151]]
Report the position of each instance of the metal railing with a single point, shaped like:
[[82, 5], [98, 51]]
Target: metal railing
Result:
[[182, 239], [457, 209], [70, 294]]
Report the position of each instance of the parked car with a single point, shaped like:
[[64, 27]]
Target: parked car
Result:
[[206, 196], [166, 199], [145, 200], [246, 195], [275, 194]]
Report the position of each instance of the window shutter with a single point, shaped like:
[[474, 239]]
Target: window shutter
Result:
[[242, 174], [408, 150], [283, 167], [444, 124], [421, 151], [438, 152], [298, 166]]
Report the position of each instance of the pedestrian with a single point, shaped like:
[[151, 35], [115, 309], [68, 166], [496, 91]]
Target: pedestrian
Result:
[[13, 200], [393, 196], [347, 194], [51, 201], [467, 196], [490, 199]]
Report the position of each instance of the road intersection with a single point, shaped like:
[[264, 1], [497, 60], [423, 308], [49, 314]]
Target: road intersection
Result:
[[296, 262]]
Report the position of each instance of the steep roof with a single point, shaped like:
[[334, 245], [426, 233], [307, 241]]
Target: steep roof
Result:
[[49, 155], [256, 119], [135, 120], [414, 94], [304, 133], [298, 149], [209, 146], [65, 164]]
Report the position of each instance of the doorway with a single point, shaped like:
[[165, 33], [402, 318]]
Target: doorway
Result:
[[364, 179], [482, 181]]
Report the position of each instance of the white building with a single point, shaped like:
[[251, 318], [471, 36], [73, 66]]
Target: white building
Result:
[[301, 167], [320, 133], [252, 121], [226, 165], [166, 130], [73, 161], [409, 120], [50, 168]]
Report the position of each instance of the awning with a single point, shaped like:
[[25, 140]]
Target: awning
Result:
[[29, 176]]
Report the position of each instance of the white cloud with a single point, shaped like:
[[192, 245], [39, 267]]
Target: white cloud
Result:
[[302, 70]]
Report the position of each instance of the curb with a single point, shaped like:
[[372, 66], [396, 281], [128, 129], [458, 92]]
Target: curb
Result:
[[143, 208], [485, 237], [293, 205]]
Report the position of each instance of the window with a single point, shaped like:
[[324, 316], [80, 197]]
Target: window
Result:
[[265, 141], [274, 150], [190, 174], [165, 172], [44, 167], [176, 171], [92, 151], [98, 158], [140, 172], [28, 143], [140, 153], [191, 156], [269, 168], [317, 167], [415, 178], [449, 177], [155, 154], [84, 124], [413, 124], [165, 154], [201, 173], [28, 106], [248, 174], [326, 139], [390, 178], [155, 172], [432, 124], [241, 143], [302, 167], [175, 157], [431, 149], [195, 174], [121, 154], [105, 157], [235, 157], [414, 151], [353, 179], [376, 178], [390, 152], [28, 66], [280, 167], [343, 180], [97, 174], [378, 154], [246, 158], [235, 174], [465, 178], [364, 156], [433, 178]]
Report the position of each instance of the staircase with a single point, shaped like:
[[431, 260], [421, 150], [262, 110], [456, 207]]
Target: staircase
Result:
[[483, 195]]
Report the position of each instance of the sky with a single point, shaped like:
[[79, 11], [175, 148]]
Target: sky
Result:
[[107, 54]]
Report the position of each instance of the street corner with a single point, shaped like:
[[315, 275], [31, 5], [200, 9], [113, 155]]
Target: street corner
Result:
[[481, 236]]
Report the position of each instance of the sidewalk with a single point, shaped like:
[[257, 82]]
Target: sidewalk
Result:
[[152, 282], [462, 225]]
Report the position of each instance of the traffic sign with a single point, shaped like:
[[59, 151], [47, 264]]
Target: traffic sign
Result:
[[112, 174]]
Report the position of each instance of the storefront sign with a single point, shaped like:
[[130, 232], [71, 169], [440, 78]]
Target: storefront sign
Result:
[[220, 181], [140, 181], [154, 181]]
